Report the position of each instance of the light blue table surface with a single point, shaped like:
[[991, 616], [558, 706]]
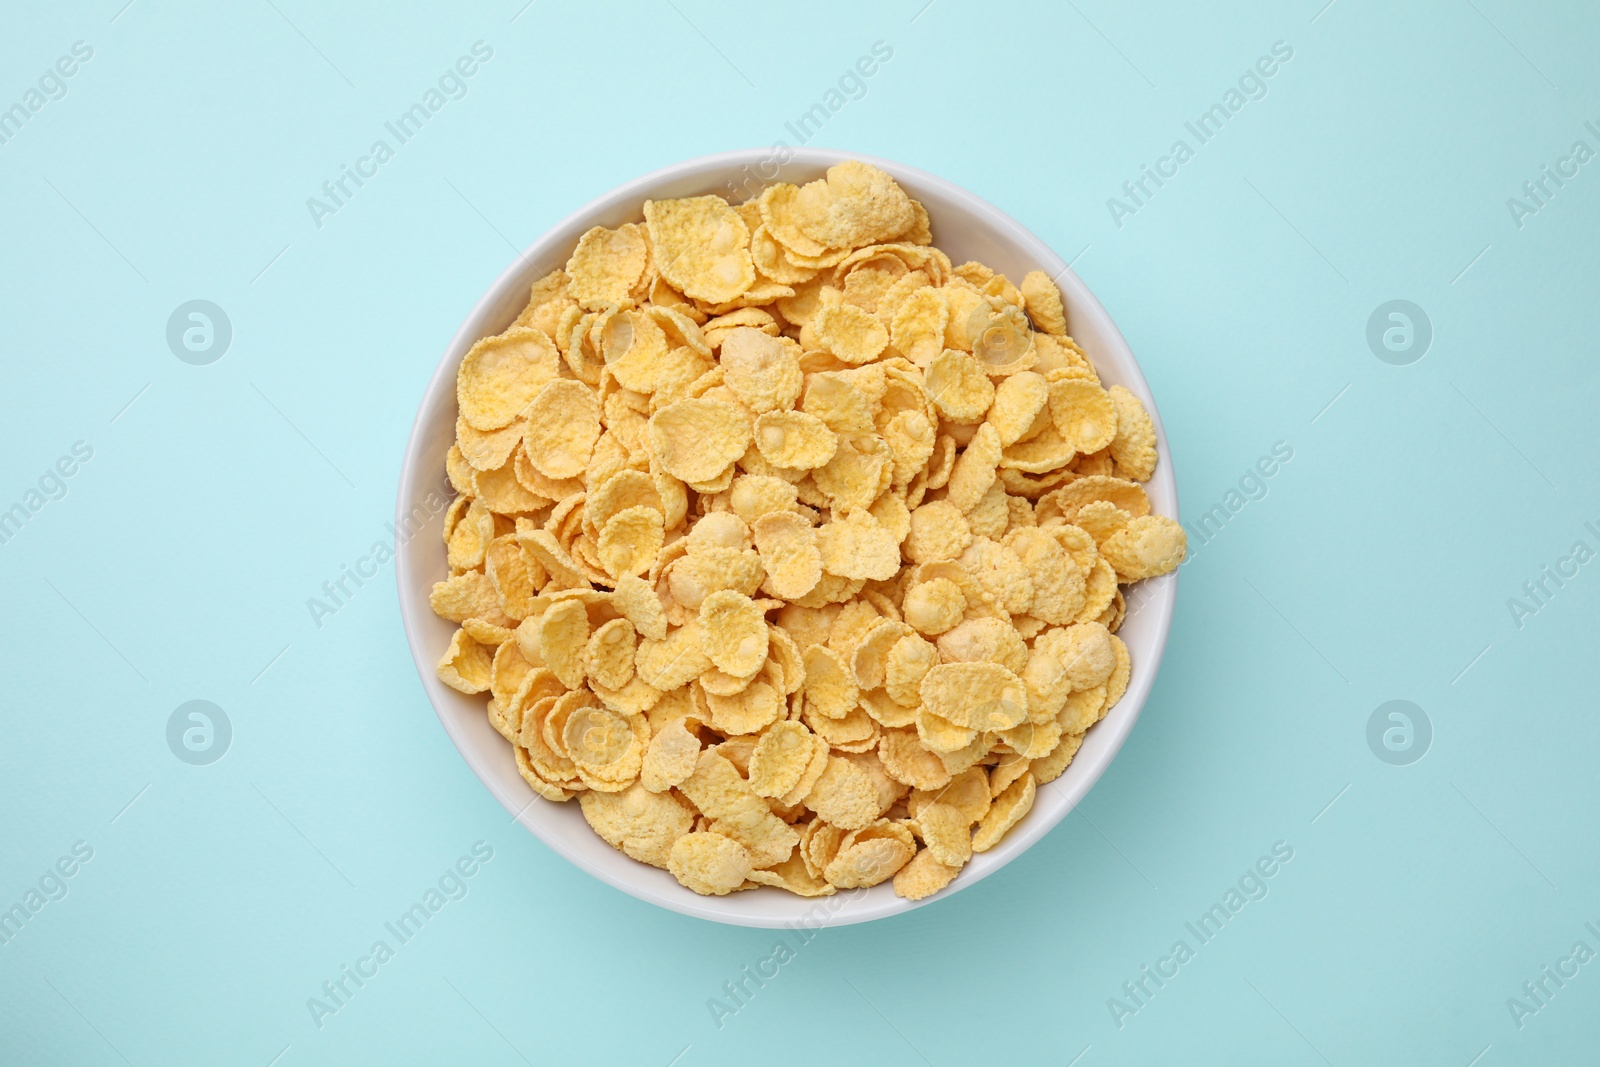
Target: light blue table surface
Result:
[[1420, 543]]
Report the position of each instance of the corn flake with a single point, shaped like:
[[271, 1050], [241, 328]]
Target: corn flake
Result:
[[670, 758], [1043, 302], [975, 696], [1148, 546], [762, 371], [935, 606], [709, 863], [857, 546], [1083, 413], [697, 440], [781, 756], [631, 541], [1009, 808], [701, 247], [606, 266], [853, 335]]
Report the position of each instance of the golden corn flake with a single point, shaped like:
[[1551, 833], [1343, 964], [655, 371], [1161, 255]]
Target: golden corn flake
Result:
[[465, 596], [631, 541], [750, 710], [770, 258], [866, 863], [1081, 710], [1117, 684], [855, 205], [1009, 769], [1049, 768], [958, 385], [1100, 589], [845, 795], [709, 863], [947, 833], [721, 793], [780, 758], [606, 745], [608, 659], [735, 632], [794, 439], [998, 576], [1134, 446], [839, 402], [481, 450], [991, 515], [1032, 740], [923, 876], [853, 335], [893, 515], [967, 792], [935, 606], [1048, 685], [465, 665], [871, 652], [1018, 400], [1148, 546], [762, 371], [790, 549], [907, 761], [910, 437], [642, 824], [753, 496], [670, 758], [793, 875], [918, 326], [1044, 305], [696, 440], [487, 633], [988, 640], [547, 299], [563, 425], [1084, 651], [1058, 585], [974, 470], [1100, 519], [975, 696], [821, 752], [606, 265], [830, 683], [503, 494], [1065, 502], [502, 374], [637, 601], [857, 546], [1083, 413], [563, 640], [712, 570], [701, 247], [635, 350], [941, 736], [859, 471], [1009, 808], [1004, 344], [938, 531], [779, 213]]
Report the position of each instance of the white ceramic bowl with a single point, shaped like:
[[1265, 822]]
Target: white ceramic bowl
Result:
[[963, 226]]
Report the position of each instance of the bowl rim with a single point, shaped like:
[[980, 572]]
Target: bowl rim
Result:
[[1112, 731]]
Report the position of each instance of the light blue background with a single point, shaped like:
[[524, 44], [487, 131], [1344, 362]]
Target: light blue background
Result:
[[219, 498]]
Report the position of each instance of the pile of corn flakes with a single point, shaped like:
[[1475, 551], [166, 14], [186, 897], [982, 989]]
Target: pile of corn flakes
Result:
[[789, 548]]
